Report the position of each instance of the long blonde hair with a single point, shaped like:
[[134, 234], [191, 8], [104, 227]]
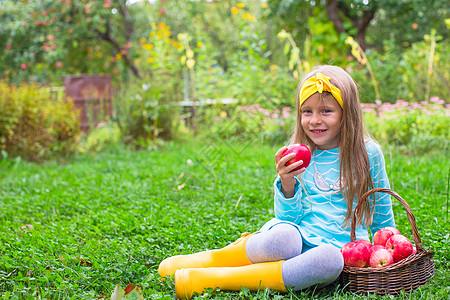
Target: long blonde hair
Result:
[[354, 168]]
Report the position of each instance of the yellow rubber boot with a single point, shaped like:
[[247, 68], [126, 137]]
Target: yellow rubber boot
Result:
[[232, 255], [254, 277]]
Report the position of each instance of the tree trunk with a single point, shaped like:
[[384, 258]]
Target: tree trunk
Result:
[[108, 38], [336, 8], [129, 29]]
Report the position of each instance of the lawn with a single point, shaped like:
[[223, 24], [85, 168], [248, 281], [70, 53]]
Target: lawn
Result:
[[74, 230]]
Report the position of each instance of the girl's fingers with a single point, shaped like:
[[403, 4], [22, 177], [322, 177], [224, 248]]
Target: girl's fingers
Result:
[[287, 171], [293, 166], [299, 171], [287, 158], [281, 163], [296, 164], [279, 153]]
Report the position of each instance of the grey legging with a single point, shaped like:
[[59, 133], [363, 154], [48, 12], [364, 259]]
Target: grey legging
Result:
[[303, 266]]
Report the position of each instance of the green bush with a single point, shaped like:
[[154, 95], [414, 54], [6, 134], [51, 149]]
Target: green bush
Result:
[[147, 112], [100, 138], [250, 123], [270, 86], [414, 127], [238, 124], [34, 126], [404, 73], [415, 69]]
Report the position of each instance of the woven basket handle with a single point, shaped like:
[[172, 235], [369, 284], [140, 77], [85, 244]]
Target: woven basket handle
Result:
[[411, 218]]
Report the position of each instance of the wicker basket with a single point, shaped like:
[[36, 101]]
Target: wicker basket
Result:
[[407, 274]]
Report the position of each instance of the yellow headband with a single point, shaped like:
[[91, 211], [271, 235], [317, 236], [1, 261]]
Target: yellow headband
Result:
[[319, 83]]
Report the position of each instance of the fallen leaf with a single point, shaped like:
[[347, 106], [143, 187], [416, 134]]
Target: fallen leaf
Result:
[[62, 260], [48, 268], [136, 294], [118, 293], [129, 288], [28, 226], [239, 200], [84, 262]]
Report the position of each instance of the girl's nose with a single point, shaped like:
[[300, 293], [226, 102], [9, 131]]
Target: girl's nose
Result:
[[316, 119]]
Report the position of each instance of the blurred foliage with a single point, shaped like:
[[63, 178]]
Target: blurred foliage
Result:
[[145, 114], [100, 138], [404, 74], [406, 22], [41, 40], [161, 53], [46, 39], [33, 125], [146, 109], [416, 71], [413, 127], [403, 21]]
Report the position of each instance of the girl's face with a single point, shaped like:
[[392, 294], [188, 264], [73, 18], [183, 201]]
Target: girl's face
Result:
[[321, 121]]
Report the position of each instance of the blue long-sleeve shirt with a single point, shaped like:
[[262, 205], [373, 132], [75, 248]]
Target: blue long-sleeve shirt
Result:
[[318, 209]]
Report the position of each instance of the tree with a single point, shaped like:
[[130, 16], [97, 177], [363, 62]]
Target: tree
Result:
[[344, 13], [221, 25], [349, 17], [404, 21], [48, 38]]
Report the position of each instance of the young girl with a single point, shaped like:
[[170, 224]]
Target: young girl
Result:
[[300, 247]]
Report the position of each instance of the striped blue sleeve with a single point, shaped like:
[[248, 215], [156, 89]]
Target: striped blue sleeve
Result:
[[383, 215], [288, 209]]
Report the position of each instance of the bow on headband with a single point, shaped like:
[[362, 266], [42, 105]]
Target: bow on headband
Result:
[[319, 83]]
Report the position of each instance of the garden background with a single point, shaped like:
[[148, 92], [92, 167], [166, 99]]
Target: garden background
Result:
[[203, 94]]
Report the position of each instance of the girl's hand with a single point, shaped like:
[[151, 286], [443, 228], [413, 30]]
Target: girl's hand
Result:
[[287, 173]]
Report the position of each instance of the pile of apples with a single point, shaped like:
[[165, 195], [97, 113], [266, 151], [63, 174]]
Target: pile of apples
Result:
[[389, 246]]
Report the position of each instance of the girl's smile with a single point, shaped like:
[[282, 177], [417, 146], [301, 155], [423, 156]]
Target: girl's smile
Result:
[[321, 120], [318, 131]]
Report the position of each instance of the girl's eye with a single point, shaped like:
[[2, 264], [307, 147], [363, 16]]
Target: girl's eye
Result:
[[306, 111], [326, 111]]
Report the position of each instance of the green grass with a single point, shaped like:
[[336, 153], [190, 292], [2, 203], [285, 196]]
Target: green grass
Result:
[[125, 211]]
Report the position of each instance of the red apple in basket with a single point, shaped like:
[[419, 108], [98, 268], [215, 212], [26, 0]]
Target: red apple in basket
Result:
[[381, 236], [393, 229], [380, 258], [375, 248], [365, 242], [399, 246], [355, 254], [301, 153]]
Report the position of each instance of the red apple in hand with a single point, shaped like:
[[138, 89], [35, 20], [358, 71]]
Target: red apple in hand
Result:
[[381, 236], [355, 254], [380, 258], [399, 246], [301, 153]]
